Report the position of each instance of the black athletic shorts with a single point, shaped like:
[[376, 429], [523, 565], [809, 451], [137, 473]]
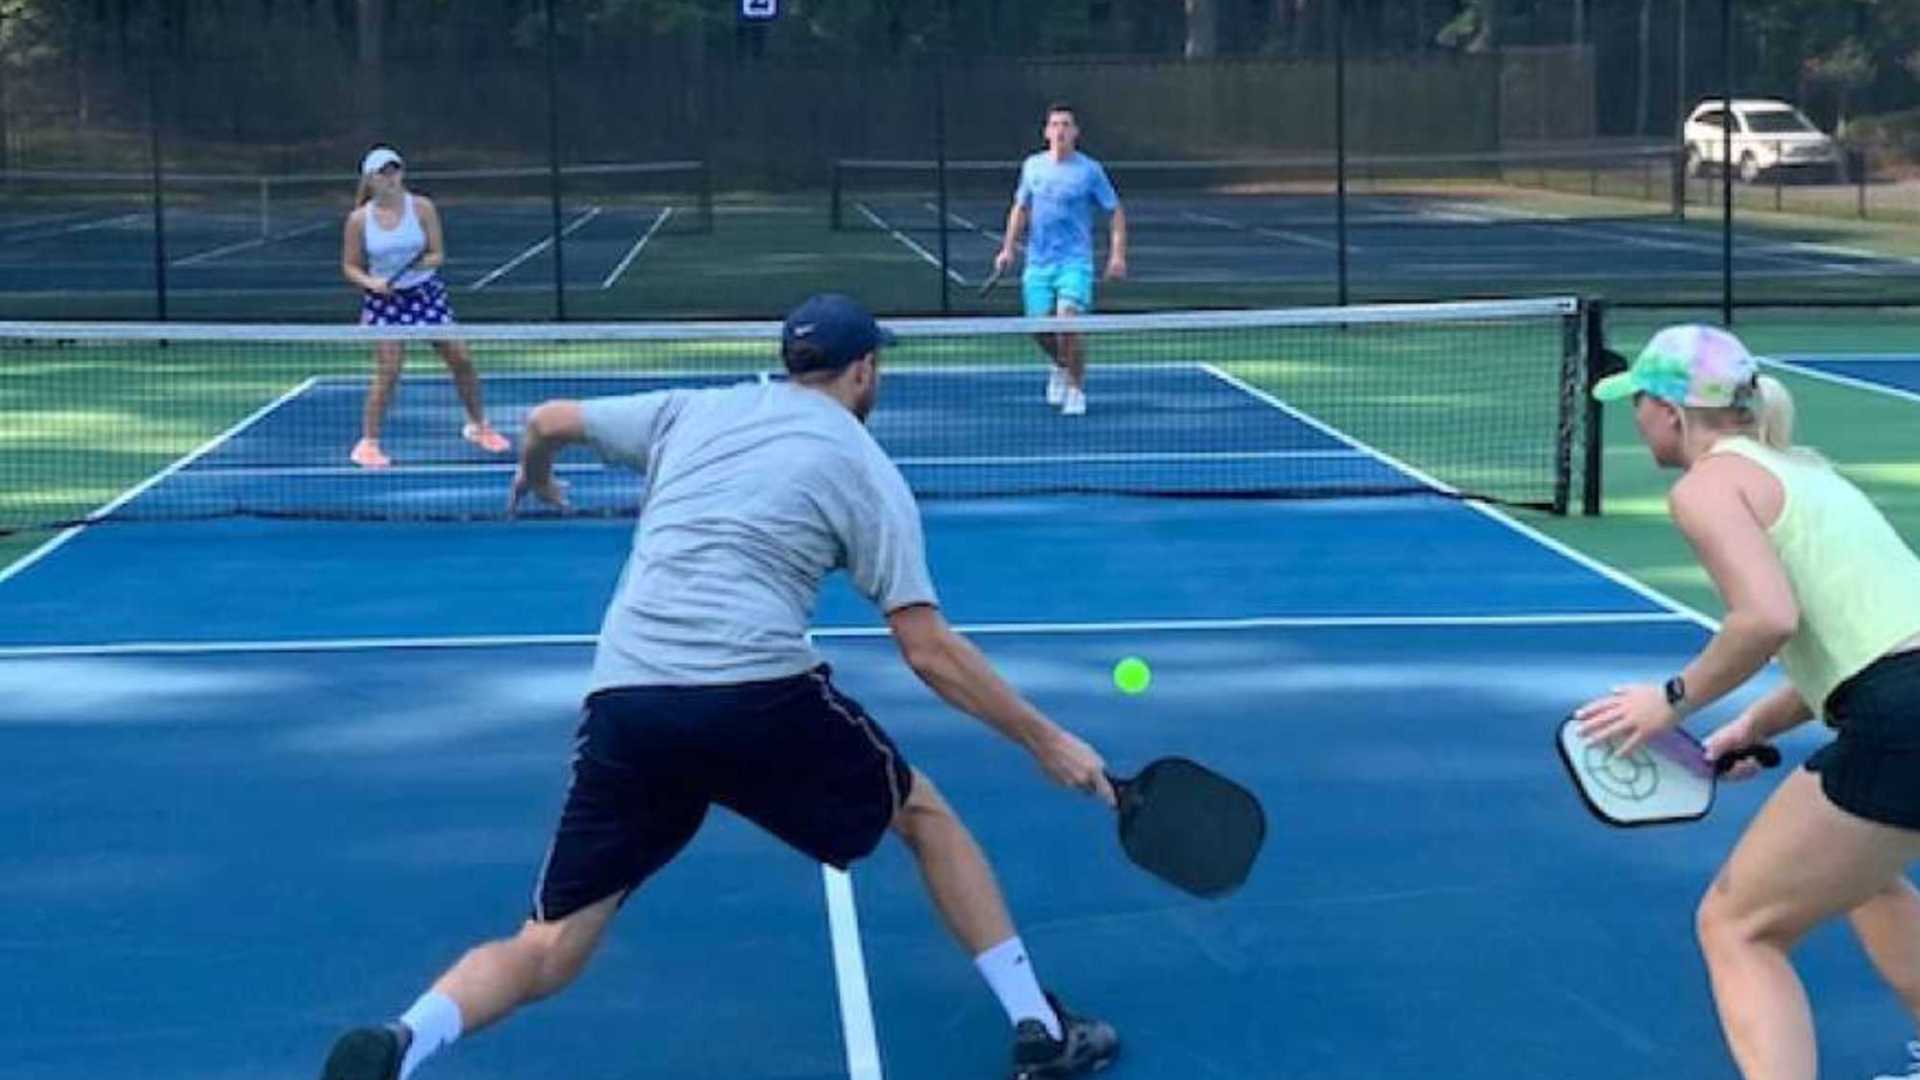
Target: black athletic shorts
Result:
[[1872, 767], [794, 756]]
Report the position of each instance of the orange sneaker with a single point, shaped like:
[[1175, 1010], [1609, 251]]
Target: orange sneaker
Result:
[[367, 455], [484, 437]]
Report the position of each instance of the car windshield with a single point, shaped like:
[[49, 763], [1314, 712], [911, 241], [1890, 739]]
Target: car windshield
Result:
[[1777, 122]]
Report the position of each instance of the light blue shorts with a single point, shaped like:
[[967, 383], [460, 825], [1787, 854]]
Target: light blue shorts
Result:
[[1047, 289]]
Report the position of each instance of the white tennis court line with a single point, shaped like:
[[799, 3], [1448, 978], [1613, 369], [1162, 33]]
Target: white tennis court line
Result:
[[837, 633], [1668, 241], [84, 226], [895, 368], [1849, 381], [43, 219], [506, 468], [850, 977], [1270, 233], [952, 274], [963, 222], [54, 542], [638, 246], [247, 245], [507, 267]]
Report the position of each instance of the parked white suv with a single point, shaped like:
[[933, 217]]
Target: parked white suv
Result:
[[1767, 135]]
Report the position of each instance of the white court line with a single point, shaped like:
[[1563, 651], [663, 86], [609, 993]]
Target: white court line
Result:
[[895, 368], [640, 244], [1261, 230], [507, 267], [952, 274], [84, 226], [850, 976], [1848, 381], [244, 245], [835, 633], [1611, 573], [963, 222], [506, 468], [43, 219], [134, 492], [1482, 215]]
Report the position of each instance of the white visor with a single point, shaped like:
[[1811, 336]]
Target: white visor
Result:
[[379, 158]]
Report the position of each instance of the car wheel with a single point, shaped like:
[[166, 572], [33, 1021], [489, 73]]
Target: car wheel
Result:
[[1749, 169]]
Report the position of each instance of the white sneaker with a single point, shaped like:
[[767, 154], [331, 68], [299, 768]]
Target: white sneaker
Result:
[[1913, 1065], [1056, 386], [1074, 403]]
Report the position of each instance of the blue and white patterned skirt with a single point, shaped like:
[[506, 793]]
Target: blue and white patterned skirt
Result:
[[424, 304]]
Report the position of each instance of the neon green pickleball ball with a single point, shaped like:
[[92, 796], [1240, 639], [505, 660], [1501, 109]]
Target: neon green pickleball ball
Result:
[[1132, 675]]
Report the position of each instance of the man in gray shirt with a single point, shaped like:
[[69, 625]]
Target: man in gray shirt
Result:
[[706, 690]]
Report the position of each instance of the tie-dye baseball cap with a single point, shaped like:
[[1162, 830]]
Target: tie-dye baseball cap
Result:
[[1699, 366]]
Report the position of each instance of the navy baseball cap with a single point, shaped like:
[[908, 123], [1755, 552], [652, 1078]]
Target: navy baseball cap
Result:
[[839, 329]]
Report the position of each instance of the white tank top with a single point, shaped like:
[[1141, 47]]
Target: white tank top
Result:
[[390, 249]]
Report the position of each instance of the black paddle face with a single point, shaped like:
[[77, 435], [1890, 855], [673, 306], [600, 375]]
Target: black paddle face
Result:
[[1190, 826]]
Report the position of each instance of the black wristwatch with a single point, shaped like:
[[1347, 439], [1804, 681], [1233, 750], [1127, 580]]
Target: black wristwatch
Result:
[[1676, 689]]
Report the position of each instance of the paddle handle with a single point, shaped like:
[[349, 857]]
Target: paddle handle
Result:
[[1764, 755]]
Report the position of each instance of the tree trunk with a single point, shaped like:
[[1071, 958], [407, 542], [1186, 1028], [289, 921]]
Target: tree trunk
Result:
[[1203, 29]]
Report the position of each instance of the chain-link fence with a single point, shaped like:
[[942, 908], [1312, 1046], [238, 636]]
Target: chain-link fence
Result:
[[663, 158]]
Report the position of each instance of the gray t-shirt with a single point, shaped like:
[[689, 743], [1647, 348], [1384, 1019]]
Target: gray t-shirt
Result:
[[755, 493]]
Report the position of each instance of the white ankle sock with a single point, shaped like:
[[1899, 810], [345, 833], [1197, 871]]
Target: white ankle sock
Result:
[[435, 1022], [1008, 972]]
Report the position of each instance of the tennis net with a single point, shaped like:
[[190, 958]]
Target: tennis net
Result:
[[133, 422]]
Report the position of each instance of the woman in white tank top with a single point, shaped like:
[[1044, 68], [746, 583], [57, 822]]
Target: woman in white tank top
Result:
[[393, 251]]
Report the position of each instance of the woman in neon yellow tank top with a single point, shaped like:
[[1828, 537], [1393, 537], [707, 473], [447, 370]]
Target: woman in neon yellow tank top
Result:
[[1812, 573]]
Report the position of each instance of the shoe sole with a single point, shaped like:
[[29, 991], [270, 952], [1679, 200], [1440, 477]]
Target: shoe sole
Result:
[[366, 1054], [1054, 1072]]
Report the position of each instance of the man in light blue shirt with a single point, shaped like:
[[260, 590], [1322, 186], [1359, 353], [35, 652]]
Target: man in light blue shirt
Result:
[[1059, 187], [706, 690]]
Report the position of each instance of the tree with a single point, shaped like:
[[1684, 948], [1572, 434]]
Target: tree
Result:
[[1847, 67]]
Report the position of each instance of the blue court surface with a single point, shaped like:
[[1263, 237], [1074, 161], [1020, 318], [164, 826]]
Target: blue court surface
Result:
[[269, 777]]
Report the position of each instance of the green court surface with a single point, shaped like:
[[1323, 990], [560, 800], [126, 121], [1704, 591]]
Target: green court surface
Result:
[[1870, 435]]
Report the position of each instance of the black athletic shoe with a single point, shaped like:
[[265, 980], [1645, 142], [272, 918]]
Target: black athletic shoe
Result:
[[368, 1053], [1089, 1046]]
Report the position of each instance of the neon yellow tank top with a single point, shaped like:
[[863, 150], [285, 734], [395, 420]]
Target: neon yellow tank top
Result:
[[1856, 581]]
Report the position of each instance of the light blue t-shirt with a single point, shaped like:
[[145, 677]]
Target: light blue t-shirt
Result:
[[1061, 196], [755, 493]]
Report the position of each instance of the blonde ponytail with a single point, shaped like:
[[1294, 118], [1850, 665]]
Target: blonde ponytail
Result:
[[364, 192], [1773, 414]]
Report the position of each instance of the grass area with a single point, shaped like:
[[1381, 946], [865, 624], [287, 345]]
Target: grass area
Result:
[[1869, 436]]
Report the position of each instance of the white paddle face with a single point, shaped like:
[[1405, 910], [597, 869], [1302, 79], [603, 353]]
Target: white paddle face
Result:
[[1667, 780]]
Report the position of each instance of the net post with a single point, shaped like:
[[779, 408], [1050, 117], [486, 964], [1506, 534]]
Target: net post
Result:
[[154, 82], [1340, 148], [706, 196], [940, 175], [553, 165], [833, 198], [1592, 424], [1726, 164]]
